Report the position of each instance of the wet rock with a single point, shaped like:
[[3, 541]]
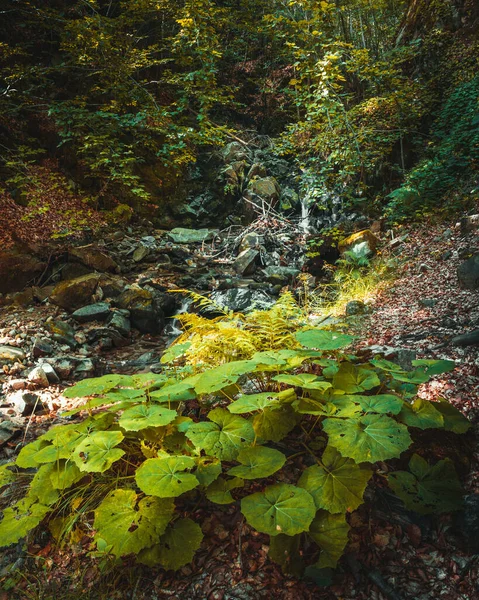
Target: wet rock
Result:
[[245, 263], [266, 189], [280, 275], [25, 403], [119, 320], [17, 269], [234, 151], [180, 235], [93, 312], [62, 332], [145, 313], [11, 354], [468, 273], [355, 307], [243, 299], [93, 257], [38, 376], [140, 253], [41, 348], [112, 286], [75, 293], [362, 239], [8, 431]]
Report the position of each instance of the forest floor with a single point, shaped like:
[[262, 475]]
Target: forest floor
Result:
[[392, 555]]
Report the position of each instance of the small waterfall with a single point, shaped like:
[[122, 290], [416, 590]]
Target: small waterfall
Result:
[[172, 330], [305, 222]]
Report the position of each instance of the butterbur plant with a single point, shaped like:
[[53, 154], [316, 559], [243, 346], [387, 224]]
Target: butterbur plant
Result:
[[155, 445]]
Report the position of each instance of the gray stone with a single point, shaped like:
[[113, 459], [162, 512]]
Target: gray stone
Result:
[[41, 348], [140, 253], [278, 275], [62, 332], [112, 286], [234, 151], [11, 354], [145, 310], [181, 235], [355, 307], [64, 367], [105, 338], [120, 322], [25, 403], [50, 372], [469, 224], [468, 273], [85, 368], [93, 312], [266, 188], [245, 263], [243, 300], [38, 376]]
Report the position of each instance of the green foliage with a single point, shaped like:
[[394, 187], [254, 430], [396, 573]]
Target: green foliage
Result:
[[146, 463]]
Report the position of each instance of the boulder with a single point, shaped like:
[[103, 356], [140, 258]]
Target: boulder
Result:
[[111, 286], [62, 332], [25, 403], [251, 240], [75, 293], [267, 188], [245, 263], [468, 273], [17, 269], [257, 170], [41, 347], [234, 151], [38, 377], [93, 257], [364, 238], [280, 275], [93, 312], [181, 235], [243, 300], [145, 310], [119, 320]]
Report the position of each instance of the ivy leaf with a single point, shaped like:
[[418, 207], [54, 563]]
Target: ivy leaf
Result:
[[338, 484], [307, 381], [454, 420], [19, 519], [220, 377], [284, 550], [219, 491], [369, 438], [427, 489], [166, 477], [330, 532], [421, 414], [352, 379], [208, 468], [146, 415], [97, 452], [253, 402], [257, 462], [323, 340], [129, 527], [435, 367], [281, 508], [223, 436], [274, 424], [176, 548]]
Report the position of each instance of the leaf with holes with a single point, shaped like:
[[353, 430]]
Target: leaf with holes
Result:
[[176, 548], [427, 489], [146, 415], [166, 477], [280, 508], [421, 414], [307, 381], [64, 474], [351, 379], [369, 438], [274, 424], [330, 532], [97, 452], [257, 462], [338, 484], [348, 406], [219, 491], [208, 468], [223, 436], [214, 380], [323, 340], [129, 525], [19, 519], [253, 402], [176, 392]]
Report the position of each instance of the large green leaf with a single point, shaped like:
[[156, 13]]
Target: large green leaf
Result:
[[208, 468], [349, 406], [174, 352], [281, 508], [351, 379], [416, 377], [386, 365], [128, 525], [421, 414], [166, 477], [258, 461], [146, 415], [454, 420], [175, 392], [214, 380], [19, 519], [64, 474], [285, 550], [330, 532], [41, 489], [97, 452], [223, 436], [323, 340], [307, 381], [434, 367], [338, 484], [219, 491], [369, 438], [274, 424], [6, 474], [97, 385], [427, 489], [27, 457], [253, 402], [176, 548]]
